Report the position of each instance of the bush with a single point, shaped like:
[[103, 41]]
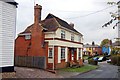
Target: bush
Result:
[[115, 60], [93, 62], [89, 57]]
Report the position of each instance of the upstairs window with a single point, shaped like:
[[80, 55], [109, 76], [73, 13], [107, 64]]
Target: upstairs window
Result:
[[79, 38], [72, 37], [27, 37], [62, 53], [62, 34]]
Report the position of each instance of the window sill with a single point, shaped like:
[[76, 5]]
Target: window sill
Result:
[[62, 59], [50, 57]]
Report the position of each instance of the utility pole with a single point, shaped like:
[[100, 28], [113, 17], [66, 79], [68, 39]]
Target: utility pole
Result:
[[118, 21]]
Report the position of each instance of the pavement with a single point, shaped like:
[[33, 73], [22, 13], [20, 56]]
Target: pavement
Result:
[[105, 70], [23, 72]]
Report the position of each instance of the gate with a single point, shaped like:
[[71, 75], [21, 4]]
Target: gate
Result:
[[30, 61]]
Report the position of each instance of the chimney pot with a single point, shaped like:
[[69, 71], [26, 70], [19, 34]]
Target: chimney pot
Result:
[[37, 13], [72, 25]]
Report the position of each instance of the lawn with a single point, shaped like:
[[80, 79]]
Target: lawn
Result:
[[81, 69], [85, 57]]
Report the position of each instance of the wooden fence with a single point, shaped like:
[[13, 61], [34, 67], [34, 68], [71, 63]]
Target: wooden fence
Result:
[[30, 61]]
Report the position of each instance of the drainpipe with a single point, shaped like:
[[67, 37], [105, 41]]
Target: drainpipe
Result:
[[53, 50]]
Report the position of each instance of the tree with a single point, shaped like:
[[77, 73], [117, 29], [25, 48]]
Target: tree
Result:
[[114, 15], [104, 42]]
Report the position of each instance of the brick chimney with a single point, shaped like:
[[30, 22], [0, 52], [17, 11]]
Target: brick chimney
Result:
[[72, 25], [37, 34], [37, 14]]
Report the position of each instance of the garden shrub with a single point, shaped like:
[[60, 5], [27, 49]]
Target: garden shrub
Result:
[[93, 62], [115, 60]]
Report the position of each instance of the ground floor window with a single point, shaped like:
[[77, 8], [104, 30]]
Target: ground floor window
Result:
[[79, 53], [62, 53], [50, 53]]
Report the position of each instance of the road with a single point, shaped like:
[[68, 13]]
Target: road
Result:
[[105, 70]]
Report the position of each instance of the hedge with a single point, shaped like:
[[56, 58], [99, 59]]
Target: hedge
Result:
[[93, 62], [115, 60]]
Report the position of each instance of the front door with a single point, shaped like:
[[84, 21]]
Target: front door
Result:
[[72, 54]]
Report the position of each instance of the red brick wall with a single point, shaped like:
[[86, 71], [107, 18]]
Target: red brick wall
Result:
[[63, 64], [50, 66], [21, 46], [99, 50], [56, 55]]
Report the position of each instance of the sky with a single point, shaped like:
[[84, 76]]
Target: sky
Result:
[[88, 16]]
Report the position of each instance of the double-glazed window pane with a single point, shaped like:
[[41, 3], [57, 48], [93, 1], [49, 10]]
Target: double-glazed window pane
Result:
[[27, 37], [62, 53], [62, 34], [50, 52], [72, 37], [79, 52]]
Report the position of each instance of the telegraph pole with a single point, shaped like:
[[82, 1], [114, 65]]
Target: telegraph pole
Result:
[[118, 21]]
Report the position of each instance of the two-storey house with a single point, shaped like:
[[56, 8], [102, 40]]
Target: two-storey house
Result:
[[92, 49], [53, 38]]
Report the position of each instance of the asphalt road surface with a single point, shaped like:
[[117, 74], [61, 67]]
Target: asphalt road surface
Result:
[[105, 70]]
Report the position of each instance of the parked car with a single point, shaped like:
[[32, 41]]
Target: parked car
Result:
[[102, 59], [109, 61], [95, 58]]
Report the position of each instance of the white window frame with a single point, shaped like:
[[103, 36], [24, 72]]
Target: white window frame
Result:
[[62, 52], [79, 38], [50, 56], [79, 53], [62, 34], [27, 37], [72, 37]]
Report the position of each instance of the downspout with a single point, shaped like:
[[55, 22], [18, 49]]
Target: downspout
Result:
[[53, 51]]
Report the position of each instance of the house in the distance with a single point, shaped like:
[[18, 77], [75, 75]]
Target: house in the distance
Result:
[[116, 44], [7, 34], [92, 49], [106, 49], [53, 38]]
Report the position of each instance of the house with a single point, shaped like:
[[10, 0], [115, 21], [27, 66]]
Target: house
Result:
[[92, 49], [106, 49], [7, 34], [53, 38], [116, 44]]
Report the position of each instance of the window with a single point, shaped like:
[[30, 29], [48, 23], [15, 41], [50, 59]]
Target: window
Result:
[[62, 53], [62, 34], [72, 37], [27, 37], [79, 38], [79, 53], [50, 53], [89, 48]]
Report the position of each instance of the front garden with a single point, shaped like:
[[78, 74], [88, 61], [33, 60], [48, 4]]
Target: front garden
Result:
[[82, 69]]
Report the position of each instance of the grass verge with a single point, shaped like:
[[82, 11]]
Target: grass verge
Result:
[[84, 68]]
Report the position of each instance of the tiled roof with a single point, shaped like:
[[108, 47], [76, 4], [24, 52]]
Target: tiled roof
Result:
[[117, 43], [61, 22], [10, 2], [89, 46], [51, 23]]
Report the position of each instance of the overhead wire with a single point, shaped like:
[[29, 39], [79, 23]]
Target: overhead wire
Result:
[[91, 13]]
